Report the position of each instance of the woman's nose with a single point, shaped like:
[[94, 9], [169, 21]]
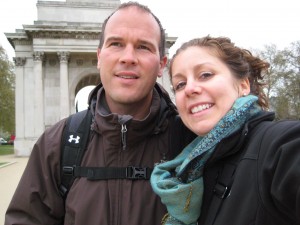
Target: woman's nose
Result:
[[192, 88]]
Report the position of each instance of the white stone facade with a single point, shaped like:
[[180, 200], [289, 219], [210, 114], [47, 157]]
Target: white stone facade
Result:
[[55, 58]]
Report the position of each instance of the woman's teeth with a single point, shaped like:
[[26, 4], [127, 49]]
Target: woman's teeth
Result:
[[200, 108]]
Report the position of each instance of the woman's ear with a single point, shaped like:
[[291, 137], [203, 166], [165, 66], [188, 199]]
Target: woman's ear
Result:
[[244, 87]]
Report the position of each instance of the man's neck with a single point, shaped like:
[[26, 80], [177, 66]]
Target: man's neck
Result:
[[138, 110]]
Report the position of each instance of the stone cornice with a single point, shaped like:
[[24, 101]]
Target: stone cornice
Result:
[[25, 37], [63, 26], [65, 31], [55, 34], [170, 41], [102, 5], [65, 35]]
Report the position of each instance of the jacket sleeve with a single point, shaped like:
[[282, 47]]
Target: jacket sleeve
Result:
[[280, 171], [37, 199]]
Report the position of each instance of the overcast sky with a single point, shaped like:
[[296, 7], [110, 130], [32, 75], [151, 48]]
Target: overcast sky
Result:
[[250, 24]]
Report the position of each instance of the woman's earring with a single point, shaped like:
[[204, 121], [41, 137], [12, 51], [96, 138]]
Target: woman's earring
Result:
[[244, 94]]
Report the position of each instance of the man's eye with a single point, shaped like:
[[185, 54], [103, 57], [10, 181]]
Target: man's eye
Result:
[[117, 44], [179, 86], [144, 47]]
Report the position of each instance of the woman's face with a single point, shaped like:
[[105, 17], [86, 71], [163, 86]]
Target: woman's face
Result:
[[205, 88]]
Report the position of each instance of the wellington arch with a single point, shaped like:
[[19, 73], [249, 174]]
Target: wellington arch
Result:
[[87, 79], [55, 57]]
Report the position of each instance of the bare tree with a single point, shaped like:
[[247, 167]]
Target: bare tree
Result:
[[7, 94], [283, 79]]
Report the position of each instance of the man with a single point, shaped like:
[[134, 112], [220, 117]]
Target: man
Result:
[[131, 127]]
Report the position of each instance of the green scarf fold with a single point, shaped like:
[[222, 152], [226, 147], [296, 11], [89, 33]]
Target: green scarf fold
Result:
[[183, 197]]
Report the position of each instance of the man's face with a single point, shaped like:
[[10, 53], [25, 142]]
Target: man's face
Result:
[[129, 60]]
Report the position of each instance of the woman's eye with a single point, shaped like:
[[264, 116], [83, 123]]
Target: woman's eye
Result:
[[205, 75], [179, 86]]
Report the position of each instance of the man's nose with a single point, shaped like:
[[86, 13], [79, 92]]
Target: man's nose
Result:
[[129, 55]]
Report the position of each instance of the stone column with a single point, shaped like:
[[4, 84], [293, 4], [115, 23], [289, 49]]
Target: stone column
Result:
[[38, 58], [19, 98], [64, 84]]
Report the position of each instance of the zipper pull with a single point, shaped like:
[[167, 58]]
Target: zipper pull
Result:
[[123, 135]]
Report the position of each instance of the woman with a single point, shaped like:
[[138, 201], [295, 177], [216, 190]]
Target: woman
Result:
[[242, 168]]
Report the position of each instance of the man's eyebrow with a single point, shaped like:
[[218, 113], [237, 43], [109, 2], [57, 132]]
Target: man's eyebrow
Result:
[[113, 38], [150, 44], [146, 42]]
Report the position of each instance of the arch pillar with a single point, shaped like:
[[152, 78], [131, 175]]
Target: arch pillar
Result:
[[38, 58], [19, 100], [64, 84]]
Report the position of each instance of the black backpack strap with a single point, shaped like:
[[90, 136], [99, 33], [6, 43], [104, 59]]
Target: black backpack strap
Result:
[[178, 139], [106, 173], [74, 141], [221, 191]]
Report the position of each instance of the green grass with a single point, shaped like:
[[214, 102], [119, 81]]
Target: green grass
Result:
[[6, 149]]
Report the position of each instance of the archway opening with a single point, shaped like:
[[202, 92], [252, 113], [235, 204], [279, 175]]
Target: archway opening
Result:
[[83, 90], [81, 99]]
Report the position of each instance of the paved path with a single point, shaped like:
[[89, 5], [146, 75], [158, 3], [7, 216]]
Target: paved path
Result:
[[9, 179]]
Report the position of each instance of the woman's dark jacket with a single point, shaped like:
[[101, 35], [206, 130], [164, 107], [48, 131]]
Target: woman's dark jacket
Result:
[[265, 187]]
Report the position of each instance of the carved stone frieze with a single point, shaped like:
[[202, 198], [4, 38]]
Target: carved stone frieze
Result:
[[94, 62], [79, 62], [65, 35], [22, 42]]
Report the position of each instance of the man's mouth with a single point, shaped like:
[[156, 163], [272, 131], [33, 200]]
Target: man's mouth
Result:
[[127, 77]]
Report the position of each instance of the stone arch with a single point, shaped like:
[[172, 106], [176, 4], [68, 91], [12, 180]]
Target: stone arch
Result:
[[81, 80], [92, 79]]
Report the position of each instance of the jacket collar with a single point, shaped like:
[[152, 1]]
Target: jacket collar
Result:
[[234, 142], [106, 122]]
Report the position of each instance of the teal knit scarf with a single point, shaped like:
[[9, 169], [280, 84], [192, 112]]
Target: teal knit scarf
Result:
[[183, 197]]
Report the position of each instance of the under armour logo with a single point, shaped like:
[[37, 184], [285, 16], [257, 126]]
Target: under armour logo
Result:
[[74, 139]]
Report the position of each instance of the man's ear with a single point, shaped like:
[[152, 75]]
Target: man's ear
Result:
[[163, 63], [98, 57]]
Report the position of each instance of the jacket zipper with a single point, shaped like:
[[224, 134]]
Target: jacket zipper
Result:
[[123, 147], [123, 136]]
